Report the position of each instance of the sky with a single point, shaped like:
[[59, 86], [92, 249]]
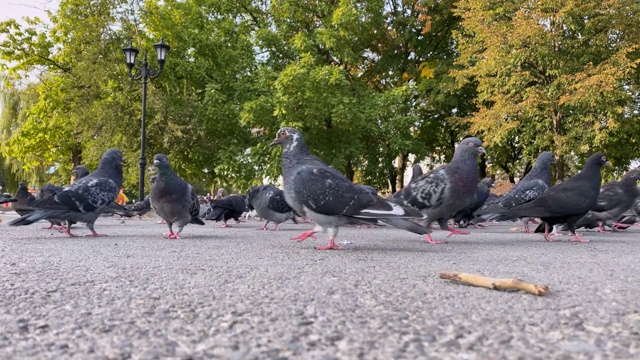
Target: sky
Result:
[[17, 9]]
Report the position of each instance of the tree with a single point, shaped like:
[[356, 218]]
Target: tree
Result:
[[552, 76]]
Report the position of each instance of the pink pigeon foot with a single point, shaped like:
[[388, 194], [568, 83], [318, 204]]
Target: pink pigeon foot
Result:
[[224, 226], [547, 236], [305, 235], [429, 240], [578, 238], [68, 232], [161, 222], [620, 226], [275, 228], [174, 236], [331, 246], [601, 229], [457, 232]]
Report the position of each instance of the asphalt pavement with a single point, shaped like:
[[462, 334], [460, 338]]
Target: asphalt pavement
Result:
[[241, 293]]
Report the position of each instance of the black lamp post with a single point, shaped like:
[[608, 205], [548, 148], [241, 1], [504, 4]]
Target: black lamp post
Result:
[[144, 73]]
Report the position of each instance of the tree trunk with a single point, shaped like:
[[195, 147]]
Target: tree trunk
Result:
[[76, 155], [402, 167], [483, 166], [393, 178], [349, 172], [558, 137], [527, 168]]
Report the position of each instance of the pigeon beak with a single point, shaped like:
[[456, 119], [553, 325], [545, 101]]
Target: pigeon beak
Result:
[[275, 142], [493, 186], [482, 150], [156, 162]]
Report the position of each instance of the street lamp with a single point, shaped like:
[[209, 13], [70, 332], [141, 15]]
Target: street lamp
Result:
[[144, 73]]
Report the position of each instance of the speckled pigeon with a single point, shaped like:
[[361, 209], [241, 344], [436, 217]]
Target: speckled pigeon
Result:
[[464, 216], [442, 192], [532, 185], [614, 199], [173, 199], [567, 202], [268, 202], [85, 199], [324, 195]]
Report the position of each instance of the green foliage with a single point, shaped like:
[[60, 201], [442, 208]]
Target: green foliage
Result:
[[371, 84]]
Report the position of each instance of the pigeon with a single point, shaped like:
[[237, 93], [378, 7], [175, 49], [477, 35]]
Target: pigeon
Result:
[[416, 173], [4, 198], [268, 202], [79, 172], [173, 199], [141, 207], [632, 215], [324, 195], [532, 185], [24, 199], [464, 216], [229, 207], [567, 202], [442, 192], [614, 199], [85, 199]]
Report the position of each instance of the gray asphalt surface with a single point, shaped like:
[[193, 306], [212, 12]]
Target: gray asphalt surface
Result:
[[239, 293]]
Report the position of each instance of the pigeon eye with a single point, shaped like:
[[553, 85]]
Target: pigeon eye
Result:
[[284, 133]]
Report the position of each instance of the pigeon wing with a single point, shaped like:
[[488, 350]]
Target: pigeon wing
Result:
[[276, 201], [428, 191], [524, 193], [328, 192], [610, 197]]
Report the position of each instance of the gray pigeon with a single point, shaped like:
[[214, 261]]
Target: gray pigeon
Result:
[[173, 199], [566, 202], [631, 216], [442, 192], [79, 172], [464, 216], [141, 207], [324, 195], [229, 207], [24, 200], [614, 199], [532, 185], [85, 199], [269, 203], [416, 173]]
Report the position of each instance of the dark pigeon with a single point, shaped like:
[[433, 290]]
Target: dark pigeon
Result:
[[5, 198], [464, 216], [229, 207], [268, 202], [324, 195], [173, 199], [442, 192], [85, 199], [614, 199], [50, 189], [24, 200], [566, 202], [532, 185]]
